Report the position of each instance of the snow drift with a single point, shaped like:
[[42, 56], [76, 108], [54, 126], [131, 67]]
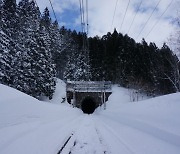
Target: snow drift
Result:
[[30, 126]]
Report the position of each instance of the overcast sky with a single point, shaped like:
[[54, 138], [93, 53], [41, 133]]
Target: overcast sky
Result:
[[152, 26]]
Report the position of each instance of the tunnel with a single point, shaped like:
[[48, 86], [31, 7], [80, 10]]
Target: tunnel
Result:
[[88, 105]]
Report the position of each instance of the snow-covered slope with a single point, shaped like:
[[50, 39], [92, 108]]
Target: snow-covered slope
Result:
[[146, 127], [151, 126], [33, 127]]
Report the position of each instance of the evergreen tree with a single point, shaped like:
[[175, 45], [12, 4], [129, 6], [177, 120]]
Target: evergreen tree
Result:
[[7, 46], [1, 12], [6, 57], [44, 68], [136, 65], [56, 45], [9, 17], [96, 55], [65, 46], [33, 48], [169, 80], [76, 66], [46, 20], [47, 73]]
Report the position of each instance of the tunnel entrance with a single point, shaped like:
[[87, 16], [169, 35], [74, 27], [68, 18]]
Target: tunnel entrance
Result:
[[88, 105]]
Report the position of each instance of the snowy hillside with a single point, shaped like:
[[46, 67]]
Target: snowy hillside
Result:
[[28, 126]]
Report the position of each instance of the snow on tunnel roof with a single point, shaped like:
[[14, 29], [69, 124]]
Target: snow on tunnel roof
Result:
[[88, 86]]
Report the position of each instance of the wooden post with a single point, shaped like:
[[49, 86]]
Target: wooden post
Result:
[[104, 97], [104, 100], [74, 98]]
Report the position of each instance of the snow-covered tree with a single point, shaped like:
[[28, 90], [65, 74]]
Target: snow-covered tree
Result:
[[25, 58], [6, 70], [44, 70], [174, 39], [1, 6], [56, 39], [8, 20], [47, 72], [170, 70], [77, 67], [39, 72]]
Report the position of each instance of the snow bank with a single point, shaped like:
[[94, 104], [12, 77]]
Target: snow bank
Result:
[[60, 92], [30, 126], [162, 111], [122, 95], [26, 123], [156, 117]]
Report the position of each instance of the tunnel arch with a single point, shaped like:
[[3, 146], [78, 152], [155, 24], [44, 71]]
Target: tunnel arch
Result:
[[88, 105]]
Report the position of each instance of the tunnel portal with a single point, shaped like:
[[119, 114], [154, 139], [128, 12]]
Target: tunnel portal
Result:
[[88, 95], [88, 105]]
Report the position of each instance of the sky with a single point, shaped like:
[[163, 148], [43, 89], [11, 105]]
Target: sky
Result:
[[154, 20]]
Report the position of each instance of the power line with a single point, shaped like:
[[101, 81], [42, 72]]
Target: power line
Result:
[[88, 61], [134, 16], [80, 13], [80, 7], [53, 10], [124, 14], [159, 18], [87, 16], [51, 7], [37, 6], [148, 19], [82, 22], [114, 13], [83, 17], [85, 25]]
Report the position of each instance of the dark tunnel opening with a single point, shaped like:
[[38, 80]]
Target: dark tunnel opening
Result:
[[88, 105]]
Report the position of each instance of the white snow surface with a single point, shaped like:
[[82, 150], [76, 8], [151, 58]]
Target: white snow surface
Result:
[[29, 126]]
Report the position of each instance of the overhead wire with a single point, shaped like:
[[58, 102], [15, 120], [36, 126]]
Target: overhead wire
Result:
[[80, 8], [87, 32], [85, 25], [53, 10], [83, 22], [114, 14], [87, 17], [124, 15], [51, 4], [148, 19], [83, 16], [159, 18], [134, 16], [37, 6]]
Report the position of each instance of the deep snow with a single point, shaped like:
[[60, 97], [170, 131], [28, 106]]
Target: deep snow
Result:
[[29, 126]]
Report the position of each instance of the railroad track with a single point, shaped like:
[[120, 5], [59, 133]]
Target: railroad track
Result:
[[86, 139], [105, 151], [65, 143]]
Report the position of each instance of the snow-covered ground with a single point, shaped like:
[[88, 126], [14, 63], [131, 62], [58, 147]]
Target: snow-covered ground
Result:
[[28, 126]]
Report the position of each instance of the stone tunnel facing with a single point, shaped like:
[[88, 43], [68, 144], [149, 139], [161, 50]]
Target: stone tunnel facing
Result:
[[88, 105]]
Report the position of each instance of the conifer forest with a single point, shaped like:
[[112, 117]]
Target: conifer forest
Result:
[[35, 50]]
